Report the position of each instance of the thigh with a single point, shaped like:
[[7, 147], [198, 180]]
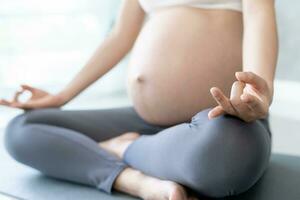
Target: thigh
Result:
[[216, 157], [98, 124]]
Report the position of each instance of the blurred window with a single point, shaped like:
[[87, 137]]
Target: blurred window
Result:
[[45, 43]]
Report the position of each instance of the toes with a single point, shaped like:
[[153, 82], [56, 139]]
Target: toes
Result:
[[130, 135], [134, 134]]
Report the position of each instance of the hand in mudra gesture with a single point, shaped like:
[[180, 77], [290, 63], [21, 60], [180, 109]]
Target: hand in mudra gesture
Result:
[[39, 99], [249, 99]]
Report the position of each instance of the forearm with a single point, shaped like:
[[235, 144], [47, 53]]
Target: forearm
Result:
[[110, 52], [260, 46]]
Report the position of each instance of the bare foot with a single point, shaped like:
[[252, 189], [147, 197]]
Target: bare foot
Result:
[[148, 188], [118, 145]]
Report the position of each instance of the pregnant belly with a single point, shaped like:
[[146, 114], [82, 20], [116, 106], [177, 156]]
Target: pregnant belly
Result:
[[179, 55]]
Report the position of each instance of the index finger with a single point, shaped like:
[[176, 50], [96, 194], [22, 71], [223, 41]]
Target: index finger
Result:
[[27, 87], [251, 78]]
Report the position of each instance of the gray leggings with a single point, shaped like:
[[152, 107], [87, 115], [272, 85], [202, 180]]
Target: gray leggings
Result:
[[217, 158]]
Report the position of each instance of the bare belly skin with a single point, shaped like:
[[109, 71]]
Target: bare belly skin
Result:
[[179, 55]]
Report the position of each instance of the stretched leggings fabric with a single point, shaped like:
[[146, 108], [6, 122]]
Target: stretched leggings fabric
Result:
[[217, 158]]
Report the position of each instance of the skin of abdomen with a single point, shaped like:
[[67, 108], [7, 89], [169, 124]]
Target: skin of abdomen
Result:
[[181, 53]]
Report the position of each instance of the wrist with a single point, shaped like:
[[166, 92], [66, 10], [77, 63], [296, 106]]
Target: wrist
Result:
[[62, 98]]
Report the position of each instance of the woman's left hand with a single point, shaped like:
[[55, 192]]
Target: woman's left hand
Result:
[[249, 99]]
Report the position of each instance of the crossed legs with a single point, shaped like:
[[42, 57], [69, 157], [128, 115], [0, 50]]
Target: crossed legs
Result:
[[217, 158]]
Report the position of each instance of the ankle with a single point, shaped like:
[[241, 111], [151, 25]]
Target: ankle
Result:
[[129, 181]]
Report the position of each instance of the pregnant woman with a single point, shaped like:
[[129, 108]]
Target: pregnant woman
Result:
[[201, 81]]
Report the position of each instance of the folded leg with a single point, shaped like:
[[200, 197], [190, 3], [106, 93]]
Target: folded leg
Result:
[[217, 158], [100, 124], [64, 144]]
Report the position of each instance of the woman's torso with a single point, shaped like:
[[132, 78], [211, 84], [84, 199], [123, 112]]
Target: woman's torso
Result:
[[179, 55]]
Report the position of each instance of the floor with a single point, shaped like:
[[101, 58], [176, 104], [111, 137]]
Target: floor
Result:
[[4, 196]]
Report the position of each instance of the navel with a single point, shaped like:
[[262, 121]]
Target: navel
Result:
[[140, 78]]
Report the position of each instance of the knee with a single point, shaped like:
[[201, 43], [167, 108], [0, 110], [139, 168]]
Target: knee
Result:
[[17, 137], [228, 157]]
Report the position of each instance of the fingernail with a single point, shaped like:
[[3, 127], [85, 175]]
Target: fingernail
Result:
[[238, 73], [213, 91]]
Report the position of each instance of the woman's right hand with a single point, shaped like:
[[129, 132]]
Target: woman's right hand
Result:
[[39, 99]]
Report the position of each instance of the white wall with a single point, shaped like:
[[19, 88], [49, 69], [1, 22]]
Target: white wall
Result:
[[45, 43], [288, 16]]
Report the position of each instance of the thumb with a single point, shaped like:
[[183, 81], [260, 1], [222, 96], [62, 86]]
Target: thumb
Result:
[[27, 87]]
